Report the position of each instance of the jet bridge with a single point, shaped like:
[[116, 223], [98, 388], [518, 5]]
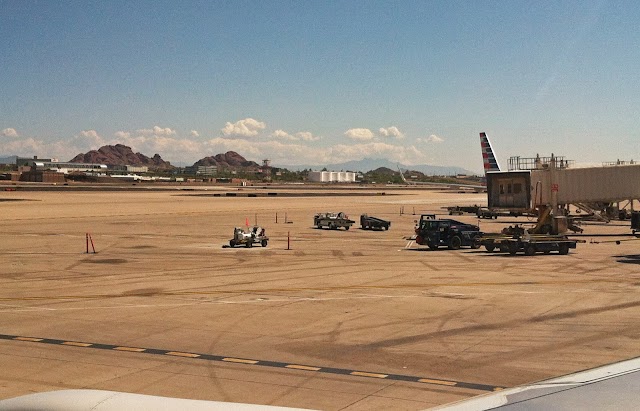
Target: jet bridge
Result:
[[553, 185], [586, 185]]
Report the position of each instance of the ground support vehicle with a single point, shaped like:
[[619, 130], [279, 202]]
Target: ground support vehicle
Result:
[[529, 244], [446, 232], [332, 220], [255, 235], [373, 223], [635, 221], [484, 212], [459, 210]]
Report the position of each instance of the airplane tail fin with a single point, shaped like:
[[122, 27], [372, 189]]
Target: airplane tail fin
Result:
[[402, 176], [489, 159]]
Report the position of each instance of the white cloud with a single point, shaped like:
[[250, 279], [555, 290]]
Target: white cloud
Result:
[[283, 148], [174, 149], [283, 152], [362, 134], [89, 134], [27, 147], [283, 135], [156, 131], [163, 141], [87, 140], [401, 154], [171, 148], [300, 136], [391, 132], [307, 136], [244, 128], [10, 132], [431, 139]]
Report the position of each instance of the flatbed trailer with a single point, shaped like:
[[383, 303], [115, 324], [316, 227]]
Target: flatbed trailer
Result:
[[529, 244], [459, 210], [373, 223]]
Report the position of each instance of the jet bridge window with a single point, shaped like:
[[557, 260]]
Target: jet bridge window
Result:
[[501, 189]]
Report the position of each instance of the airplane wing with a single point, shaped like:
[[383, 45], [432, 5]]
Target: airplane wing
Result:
[[99, 400], [448, 185], [610, 387]]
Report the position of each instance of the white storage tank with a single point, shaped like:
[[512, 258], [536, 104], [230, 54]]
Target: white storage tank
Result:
[[332, 176]]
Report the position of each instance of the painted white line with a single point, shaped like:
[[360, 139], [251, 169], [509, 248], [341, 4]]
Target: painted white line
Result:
[[200, 302], [292, 299]]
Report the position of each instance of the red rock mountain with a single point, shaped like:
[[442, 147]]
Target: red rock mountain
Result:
[[121, 155], [230, 159]]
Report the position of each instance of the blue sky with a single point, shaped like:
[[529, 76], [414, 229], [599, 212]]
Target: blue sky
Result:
[[322, 82]]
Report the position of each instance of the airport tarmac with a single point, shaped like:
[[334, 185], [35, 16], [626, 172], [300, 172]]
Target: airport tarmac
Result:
[[329, 320]]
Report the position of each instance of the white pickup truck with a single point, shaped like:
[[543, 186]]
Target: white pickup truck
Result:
[[332, 220]]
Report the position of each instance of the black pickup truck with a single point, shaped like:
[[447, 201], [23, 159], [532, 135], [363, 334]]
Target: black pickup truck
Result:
[[446, 232], [373, 223]]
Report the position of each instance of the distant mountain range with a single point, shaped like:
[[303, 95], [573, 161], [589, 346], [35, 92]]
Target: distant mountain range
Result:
[[124, 155], [230, 159], [369, 164], [120, 154], [8, 160]]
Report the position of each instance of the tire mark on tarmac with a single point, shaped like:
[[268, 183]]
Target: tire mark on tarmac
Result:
[[416, 286], [529, 352], [502, 325], [430, 266]]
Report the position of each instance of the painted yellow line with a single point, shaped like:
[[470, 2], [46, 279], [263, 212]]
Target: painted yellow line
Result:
[[395, 377], [76, 344], [28, 339], [303, 367], [369, 374], [131, 349], [183, 354], [439, 382], [240, 360]]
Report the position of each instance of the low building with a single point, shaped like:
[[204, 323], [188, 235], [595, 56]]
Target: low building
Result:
[[66, 168], [42, 176], [201, 170], [119, 168], [28, 161], [137, 169]]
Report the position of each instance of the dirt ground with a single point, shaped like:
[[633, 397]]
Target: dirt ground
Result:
[[319, 319]]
